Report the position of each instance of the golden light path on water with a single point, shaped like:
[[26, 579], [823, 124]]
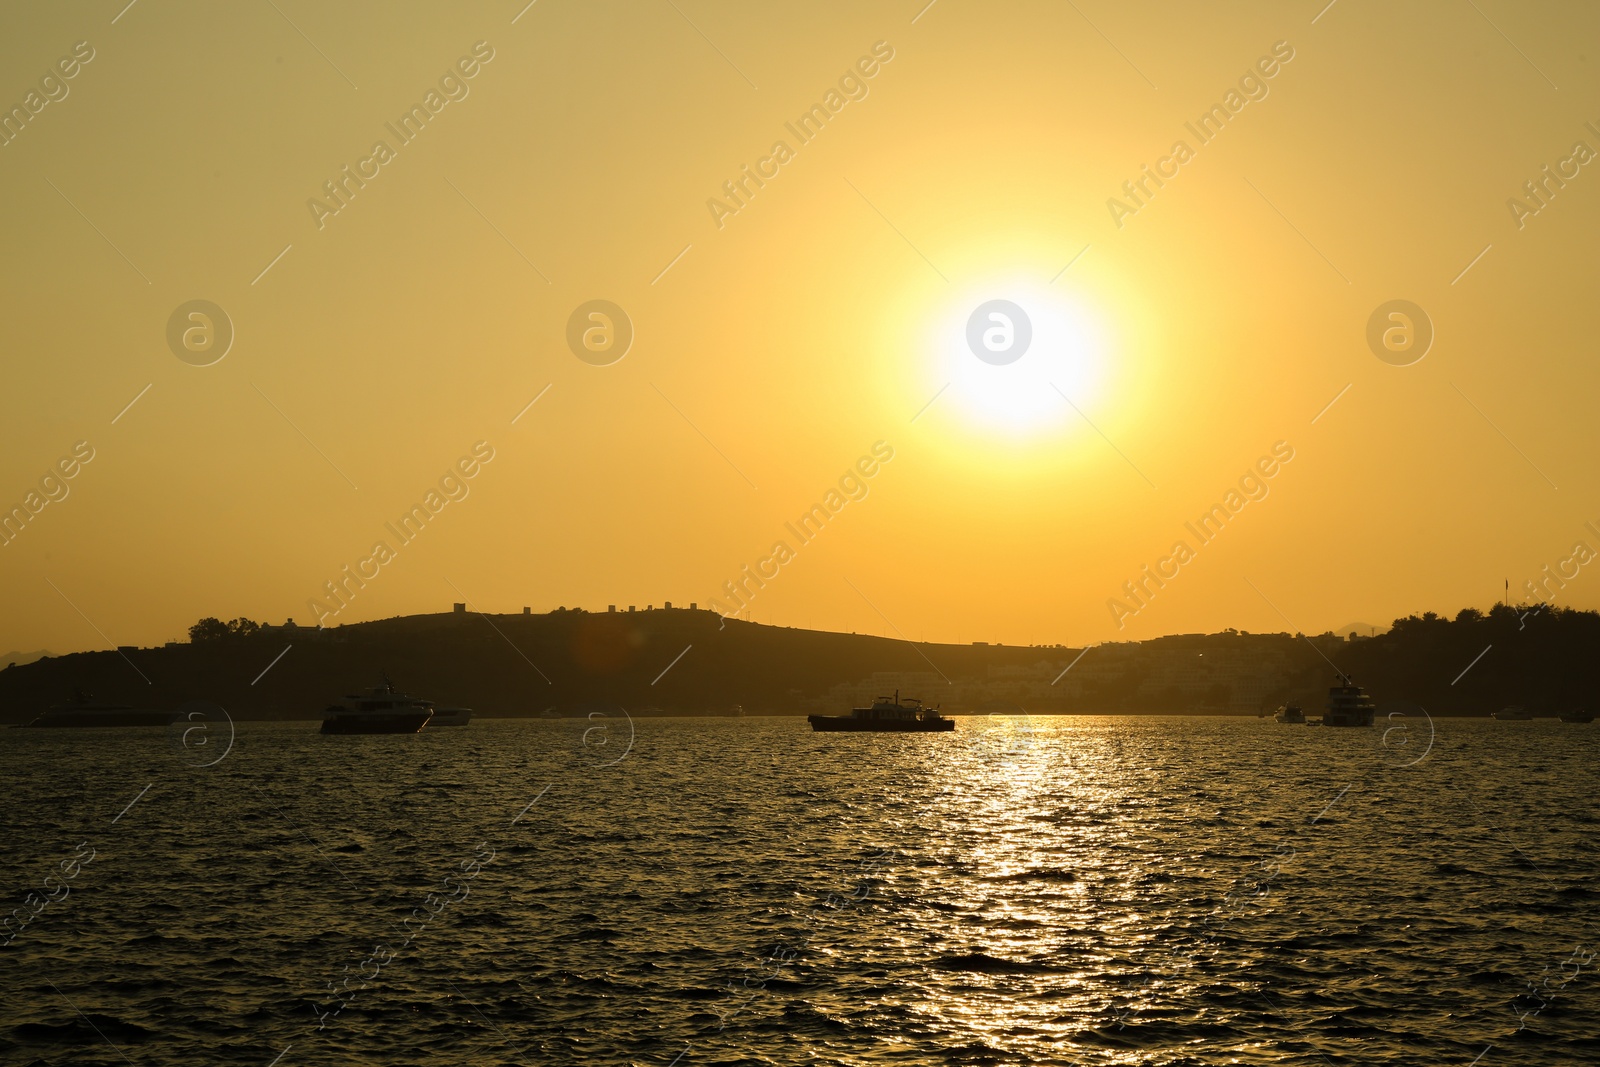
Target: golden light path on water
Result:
[[1029, 885], [1085, 890], [1096, 890]]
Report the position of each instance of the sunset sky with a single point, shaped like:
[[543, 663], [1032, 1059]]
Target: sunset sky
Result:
[[584, 158]]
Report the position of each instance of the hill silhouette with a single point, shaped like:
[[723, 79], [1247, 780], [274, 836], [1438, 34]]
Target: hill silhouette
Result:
[[495, 664], [1540, 657], [681, 661], [23, 657]]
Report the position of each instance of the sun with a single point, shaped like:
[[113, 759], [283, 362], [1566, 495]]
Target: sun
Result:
[[1018, 357]]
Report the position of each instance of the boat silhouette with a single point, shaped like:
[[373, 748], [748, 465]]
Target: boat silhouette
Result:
[[886, 715], [380, 710], [84, 710], [1348, 705], [449, 717]]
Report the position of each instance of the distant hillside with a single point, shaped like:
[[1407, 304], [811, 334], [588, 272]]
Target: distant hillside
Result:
[[1360, 629], [23, 657], [1544, 660], [676, 661], [500, 665]]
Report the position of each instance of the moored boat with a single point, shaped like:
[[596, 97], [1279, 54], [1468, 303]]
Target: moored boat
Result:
[[1290, 713], [1577, 715], [1514, 713], [1348, 705], [380, 710], [84, 710], [450, 717], [886, 715]]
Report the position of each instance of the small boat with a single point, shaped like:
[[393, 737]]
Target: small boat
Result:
[[1577, 715], [592, 710], [1514, 713], [886, 715], [450, 717], [1348, 705], [380, 710], [84, 710], [1290, 713]]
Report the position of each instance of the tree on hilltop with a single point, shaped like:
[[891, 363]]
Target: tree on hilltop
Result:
[[211, 629]]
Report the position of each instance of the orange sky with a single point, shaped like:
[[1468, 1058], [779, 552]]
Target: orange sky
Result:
[[579, 153]]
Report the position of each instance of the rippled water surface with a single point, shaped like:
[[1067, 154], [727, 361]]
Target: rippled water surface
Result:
[[1090, 890]]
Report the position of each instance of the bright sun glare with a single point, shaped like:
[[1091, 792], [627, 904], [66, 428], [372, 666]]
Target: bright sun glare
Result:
[[1064, 359]]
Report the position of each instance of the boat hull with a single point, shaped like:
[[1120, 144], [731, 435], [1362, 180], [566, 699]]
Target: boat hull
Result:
[[825, 724], [407, 722], [108, 717], [1577, 717]]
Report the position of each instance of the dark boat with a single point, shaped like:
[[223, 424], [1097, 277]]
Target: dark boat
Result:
[[380, 710], [83, 710], [887, 716], [591, 711], [1348, 705], [1577, 715], [450, 717]]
